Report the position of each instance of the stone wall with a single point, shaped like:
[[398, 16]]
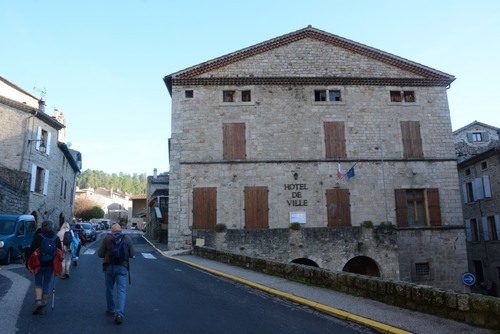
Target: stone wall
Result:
[[477, 310], [14, 191], [394, 251]]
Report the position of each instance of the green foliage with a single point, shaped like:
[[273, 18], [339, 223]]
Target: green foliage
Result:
[[220, 228], [92, 213], [367, 224], [134, 185], [295, 226]]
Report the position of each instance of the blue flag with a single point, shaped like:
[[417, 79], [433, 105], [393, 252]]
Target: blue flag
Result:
[[350, 173]]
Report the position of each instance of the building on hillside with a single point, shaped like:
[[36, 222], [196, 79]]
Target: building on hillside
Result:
[[157, 212], [37, 168], [351, 142], [117, 205], [139, 210], [478, 152]]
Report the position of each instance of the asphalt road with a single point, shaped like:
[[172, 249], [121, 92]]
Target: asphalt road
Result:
[[165, 296]]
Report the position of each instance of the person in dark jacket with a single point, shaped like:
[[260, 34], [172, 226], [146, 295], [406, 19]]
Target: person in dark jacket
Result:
[[78, 232], [44, 276], [115, 273]]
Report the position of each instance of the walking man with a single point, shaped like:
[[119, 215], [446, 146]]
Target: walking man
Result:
[[116, 249]]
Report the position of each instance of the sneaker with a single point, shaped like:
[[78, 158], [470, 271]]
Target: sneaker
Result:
[[66, 276], [37, 307], [118, 319], [75, 263], [42, 310], [109, 313]]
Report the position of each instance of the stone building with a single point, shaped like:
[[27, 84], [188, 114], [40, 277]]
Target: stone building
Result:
[[478, 152], [117, 205], [37, 169], [351, 142], [157, 212]]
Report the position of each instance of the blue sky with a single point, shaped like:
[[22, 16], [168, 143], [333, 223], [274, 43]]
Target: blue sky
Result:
[[101, 62]]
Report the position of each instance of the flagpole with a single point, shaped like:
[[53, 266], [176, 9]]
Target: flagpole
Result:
[[383, 174]]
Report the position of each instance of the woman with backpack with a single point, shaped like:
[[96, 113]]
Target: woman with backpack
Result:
[[66, 236], [45, 245]]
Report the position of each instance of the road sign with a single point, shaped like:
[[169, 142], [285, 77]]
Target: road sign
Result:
[[469, 279]]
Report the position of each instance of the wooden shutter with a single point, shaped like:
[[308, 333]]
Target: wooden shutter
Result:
[[401, 207], [338, 207], [434, 207], [256, 207], [334, 140], [412, 141], [204, 208], [468, 230], [486, 228], [234, 141]]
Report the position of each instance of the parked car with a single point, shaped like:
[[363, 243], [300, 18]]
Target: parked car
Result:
[[90, 233], [16, 235]]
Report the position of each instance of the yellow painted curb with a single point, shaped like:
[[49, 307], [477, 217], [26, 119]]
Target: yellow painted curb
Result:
[[378, 326]]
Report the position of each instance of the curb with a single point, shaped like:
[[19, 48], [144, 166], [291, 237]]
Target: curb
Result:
[[378, 326]]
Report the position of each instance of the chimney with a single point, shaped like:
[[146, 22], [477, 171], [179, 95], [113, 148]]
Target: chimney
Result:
[[41, 105], [155, 173]]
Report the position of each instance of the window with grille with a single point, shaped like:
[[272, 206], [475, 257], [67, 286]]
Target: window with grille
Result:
[[422, 269]]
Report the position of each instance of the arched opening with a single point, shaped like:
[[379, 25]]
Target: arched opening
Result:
[[362, 265], [305, 262]]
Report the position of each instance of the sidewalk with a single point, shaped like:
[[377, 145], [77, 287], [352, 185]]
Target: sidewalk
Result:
[[384, 318]]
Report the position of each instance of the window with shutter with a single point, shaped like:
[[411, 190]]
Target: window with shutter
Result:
[[417, 207], [412, 140], [334, 133], [256, 207], [338, 207], [234, 141], [204, 208]]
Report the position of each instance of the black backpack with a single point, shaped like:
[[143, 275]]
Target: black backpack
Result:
[[67, 239], [48, 248], [119, 252]]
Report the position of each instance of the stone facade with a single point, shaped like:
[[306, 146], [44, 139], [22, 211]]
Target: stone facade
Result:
[[478, 150], [157, 211], [14, 190], [285, 148], [30, 146], [117, 206]]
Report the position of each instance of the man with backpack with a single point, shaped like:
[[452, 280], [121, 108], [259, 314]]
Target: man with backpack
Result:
[[46, 244], [116, 249]]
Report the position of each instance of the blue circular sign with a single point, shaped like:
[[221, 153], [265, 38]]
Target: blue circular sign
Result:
[[469, 279]]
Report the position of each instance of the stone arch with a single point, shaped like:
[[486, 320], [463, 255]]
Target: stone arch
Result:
[[362, 265], [306, 262]]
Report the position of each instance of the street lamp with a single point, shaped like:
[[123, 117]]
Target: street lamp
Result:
[[42, 148]]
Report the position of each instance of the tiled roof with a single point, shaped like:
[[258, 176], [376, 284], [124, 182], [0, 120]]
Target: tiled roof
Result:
[[474, 124], [37, 113], [430, 76]]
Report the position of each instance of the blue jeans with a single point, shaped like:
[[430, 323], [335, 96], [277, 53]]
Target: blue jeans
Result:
[[43, 278], [116, 274]]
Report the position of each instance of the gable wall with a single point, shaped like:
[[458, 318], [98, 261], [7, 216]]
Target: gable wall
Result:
[[309, 57]]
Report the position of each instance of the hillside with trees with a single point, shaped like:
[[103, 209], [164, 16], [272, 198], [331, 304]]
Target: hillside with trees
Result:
[[130, 184]]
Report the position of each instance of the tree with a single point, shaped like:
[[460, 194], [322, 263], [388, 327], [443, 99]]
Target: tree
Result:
[[86, 209], [134, 185]]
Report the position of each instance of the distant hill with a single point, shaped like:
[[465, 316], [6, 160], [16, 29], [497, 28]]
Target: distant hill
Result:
[[130, 184]]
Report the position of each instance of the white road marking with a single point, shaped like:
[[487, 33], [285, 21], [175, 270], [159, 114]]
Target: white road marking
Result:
[[148, 255]]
